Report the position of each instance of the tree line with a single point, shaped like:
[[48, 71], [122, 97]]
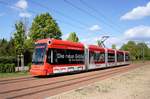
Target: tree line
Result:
[[22, 42], [138, 51]]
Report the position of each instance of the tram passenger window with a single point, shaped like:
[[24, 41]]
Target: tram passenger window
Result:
[[111, 57], [102, 57], [66, 56], [127, 57], [120, 57], [96, 57]]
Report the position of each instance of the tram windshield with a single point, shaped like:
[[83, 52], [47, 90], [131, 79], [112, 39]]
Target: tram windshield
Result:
[[39, 53]]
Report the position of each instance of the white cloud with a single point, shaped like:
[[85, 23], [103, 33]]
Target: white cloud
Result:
[[137, 13], [25, 14], [138, 33], [65, 36], [118, 41], [95, 28], [22, 4]]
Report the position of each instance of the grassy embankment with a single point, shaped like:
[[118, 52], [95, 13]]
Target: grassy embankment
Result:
[[15, 74]]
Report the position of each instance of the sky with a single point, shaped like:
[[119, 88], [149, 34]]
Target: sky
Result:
[[121, 20]]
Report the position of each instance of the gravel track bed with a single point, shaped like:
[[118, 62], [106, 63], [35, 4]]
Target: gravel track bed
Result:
[[130, 85]]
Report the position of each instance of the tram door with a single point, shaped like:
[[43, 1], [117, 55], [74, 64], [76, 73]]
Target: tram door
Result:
[[86, 51]]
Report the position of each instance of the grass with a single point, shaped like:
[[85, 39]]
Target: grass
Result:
[[138, 61], [16, 74]]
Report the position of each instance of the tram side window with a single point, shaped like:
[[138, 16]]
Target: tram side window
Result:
[[96, 57], [120, 57], [66, 56], [127, 57], [111, 57]]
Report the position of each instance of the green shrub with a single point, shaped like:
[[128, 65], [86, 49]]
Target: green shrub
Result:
[[13, 67], [147, 58], [1, 67], [7, 68], [29, 65], [7, 59]]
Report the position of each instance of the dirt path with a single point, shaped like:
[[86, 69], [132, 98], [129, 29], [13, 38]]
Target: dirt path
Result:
[[131, 85]]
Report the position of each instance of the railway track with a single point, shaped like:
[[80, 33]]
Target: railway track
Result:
[[51, 83], [7, 81], [46, 87]]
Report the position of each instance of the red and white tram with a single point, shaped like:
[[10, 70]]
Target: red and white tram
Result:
[[57, 56]]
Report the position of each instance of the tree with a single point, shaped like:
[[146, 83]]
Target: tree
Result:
[[3, 47], [44, 26], [11, 47], [19, 40], [137, 51], [73, 37], [19, 37], [113, 46], [132, 48], [143, 50], [29, 48]]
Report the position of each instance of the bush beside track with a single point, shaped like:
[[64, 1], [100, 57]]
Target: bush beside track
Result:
[[7, 68]]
